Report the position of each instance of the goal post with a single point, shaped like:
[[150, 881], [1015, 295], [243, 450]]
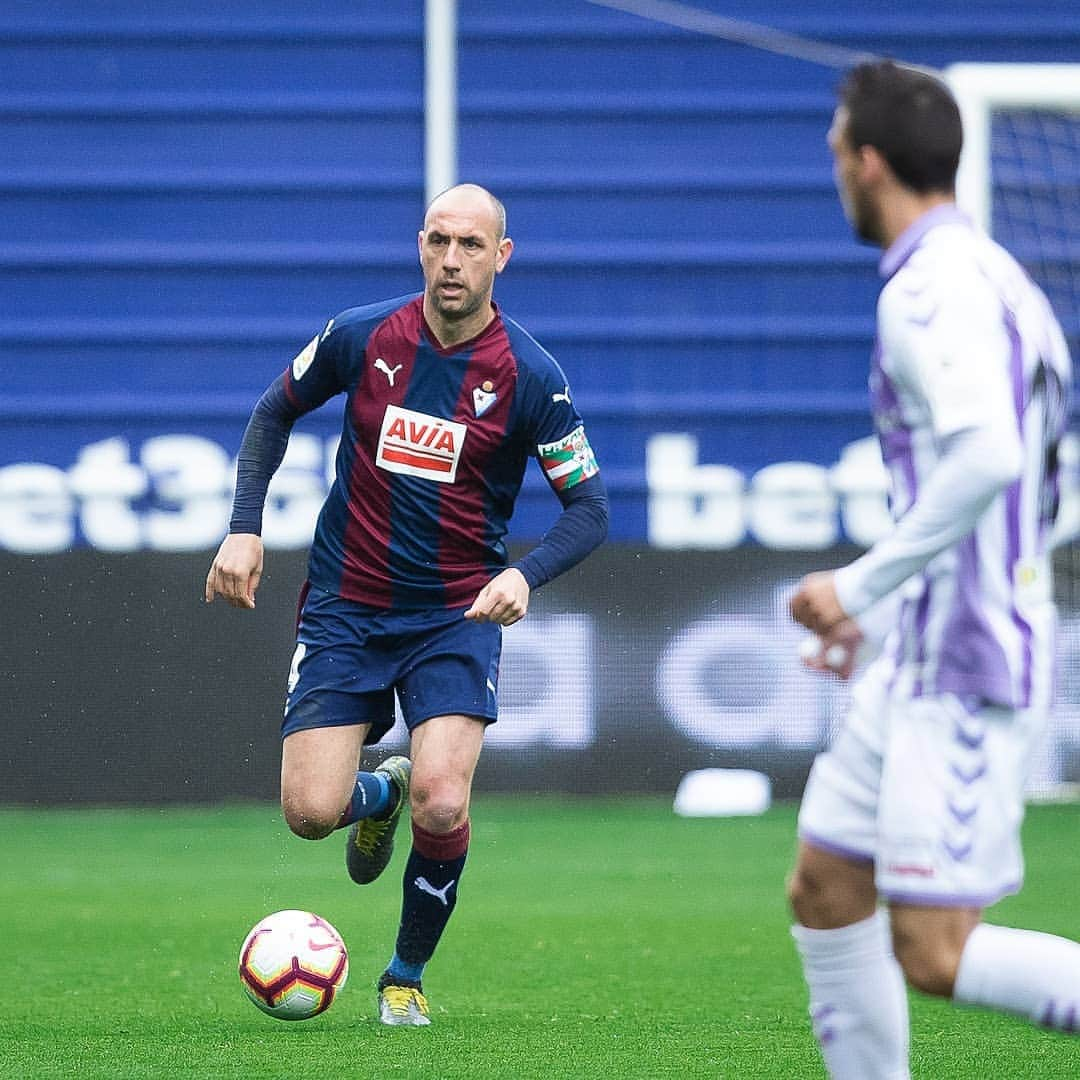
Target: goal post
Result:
[[983, 89], [1019, 176]]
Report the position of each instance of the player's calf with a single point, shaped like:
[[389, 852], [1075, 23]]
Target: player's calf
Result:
[[928, 943]]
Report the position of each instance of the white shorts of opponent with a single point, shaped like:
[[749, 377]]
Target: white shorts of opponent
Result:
[[930, 792]]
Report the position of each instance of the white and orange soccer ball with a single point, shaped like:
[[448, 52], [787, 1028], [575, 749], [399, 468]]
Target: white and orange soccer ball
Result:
[[293, 964]]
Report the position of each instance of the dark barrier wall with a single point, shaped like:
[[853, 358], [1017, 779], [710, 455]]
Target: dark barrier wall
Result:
[[122, 686]]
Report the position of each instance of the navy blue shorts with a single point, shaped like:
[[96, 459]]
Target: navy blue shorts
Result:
[[351, 659]]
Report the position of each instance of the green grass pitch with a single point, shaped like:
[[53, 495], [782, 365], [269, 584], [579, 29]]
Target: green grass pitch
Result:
[[591, 939]]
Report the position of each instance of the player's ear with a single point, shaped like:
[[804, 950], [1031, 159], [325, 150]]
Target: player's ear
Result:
[[420, 244], [502, 256], [872, 164]]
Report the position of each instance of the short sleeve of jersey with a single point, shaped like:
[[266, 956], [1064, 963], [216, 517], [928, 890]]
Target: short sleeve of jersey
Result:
[[948, 338], [317, 372], [555, 427]]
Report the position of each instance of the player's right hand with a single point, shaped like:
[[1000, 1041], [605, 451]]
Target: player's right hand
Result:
[[236, 569], [503, 600]]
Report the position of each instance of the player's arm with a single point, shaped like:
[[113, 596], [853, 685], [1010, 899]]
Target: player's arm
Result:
[[570, 468], [960, 367], [237, 567], [975, 466], [311, 379], [579, 529]]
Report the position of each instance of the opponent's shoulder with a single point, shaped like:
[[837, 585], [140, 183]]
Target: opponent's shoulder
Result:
[[947, 279]]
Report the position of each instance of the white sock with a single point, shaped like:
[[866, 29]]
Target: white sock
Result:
[[858, 1001], [1022, 972]]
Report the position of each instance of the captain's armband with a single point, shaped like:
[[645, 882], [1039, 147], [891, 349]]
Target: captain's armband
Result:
[[569, 460]]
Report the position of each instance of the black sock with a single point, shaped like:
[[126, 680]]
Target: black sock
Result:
[[429, 891]]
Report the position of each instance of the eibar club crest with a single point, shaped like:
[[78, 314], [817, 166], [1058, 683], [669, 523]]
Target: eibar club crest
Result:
[[484, 397]]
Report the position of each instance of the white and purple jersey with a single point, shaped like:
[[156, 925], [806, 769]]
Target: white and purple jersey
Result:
[[966, 343]]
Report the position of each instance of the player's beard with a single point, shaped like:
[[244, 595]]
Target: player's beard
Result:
[[467, 304], [865, 217]]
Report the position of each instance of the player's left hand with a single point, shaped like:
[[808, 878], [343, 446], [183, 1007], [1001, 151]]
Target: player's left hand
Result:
[[815, 604], [837, 654], [503, 600]]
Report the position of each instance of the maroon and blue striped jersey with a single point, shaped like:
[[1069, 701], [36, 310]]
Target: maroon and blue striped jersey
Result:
[[434, 446]]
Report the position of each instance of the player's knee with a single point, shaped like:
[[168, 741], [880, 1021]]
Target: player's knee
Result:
[[808, 895], [929, 963], [823, 898], [438, 805], [308, 818]]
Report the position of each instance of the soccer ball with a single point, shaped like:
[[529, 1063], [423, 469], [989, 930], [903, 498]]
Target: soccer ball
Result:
[[292, 965]]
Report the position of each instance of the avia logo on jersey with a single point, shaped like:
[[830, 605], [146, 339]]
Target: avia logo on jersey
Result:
[[415, 444]]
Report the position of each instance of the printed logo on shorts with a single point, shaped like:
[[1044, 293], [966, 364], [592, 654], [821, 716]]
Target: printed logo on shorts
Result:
[[910, 870], [568, 460], [415, 444], [294, 668]]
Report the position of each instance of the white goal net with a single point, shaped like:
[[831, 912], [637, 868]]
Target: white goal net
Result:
[[1020, 171]]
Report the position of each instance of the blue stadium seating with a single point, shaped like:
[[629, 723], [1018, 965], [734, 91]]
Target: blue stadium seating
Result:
[[189, 191]]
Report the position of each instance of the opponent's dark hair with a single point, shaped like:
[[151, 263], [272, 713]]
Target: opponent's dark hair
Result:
[[910, 117]]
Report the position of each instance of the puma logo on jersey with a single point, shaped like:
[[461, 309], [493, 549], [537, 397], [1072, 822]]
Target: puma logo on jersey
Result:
[[380, 365], [424, 885], [564, 396], [416, 444]]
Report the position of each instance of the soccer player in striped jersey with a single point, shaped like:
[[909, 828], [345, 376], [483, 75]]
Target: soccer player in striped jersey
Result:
[[446, 400], [919, 800]]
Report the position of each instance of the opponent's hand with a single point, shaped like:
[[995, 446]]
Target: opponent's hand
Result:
[[236, 569], [503, 600], [835, 654], [815, 604]]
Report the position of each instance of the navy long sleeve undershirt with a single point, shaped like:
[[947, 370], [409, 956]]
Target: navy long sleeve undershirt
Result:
[[261, 452], [580, 527]]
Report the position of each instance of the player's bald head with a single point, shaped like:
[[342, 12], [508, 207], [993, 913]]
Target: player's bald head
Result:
[[471, 199]]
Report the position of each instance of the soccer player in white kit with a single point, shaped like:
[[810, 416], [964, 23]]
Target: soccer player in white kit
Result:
[[919, 801]]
